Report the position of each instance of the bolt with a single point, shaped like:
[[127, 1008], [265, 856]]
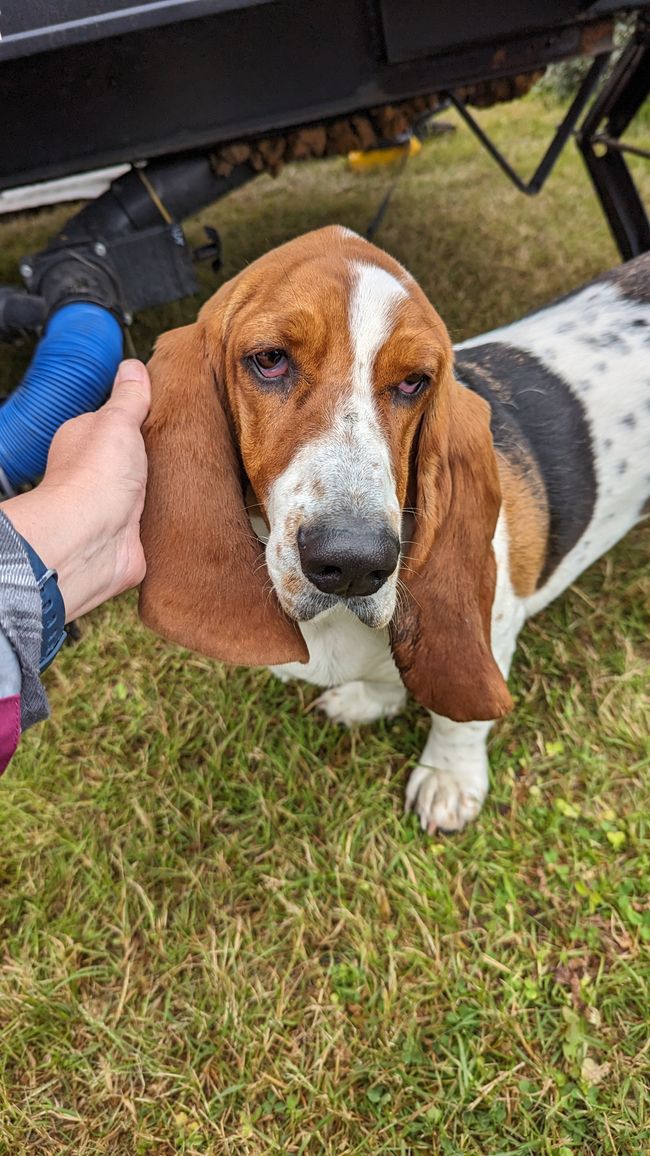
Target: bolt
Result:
[[100, 249], [128, 318], [26, 270]]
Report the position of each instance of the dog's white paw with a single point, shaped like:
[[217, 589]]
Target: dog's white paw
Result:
[[360, 702], [442, 801]]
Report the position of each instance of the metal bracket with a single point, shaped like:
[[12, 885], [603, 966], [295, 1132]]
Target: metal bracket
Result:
[[620, 98], [565, 130], [211, 250]]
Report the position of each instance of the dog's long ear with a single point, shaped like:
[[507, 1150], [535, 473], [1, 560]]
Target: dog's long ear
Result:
[[206, 586], [441, 637]]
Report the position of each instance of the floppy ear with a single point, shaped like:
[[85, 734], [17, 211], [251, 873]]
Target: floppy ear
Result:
[[441, 639], [206, 586]]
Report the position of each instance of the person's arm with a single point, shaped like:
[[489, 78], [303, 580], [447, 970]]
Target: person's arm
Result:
[[83, 521]]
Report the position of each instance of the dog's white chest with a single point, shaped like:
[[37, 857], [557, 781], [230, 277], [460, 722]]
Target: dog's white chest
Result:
[[341, 650]]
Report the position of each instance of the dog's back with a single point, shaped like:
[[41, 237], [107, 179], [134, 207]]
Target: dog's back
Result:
[[569, 390]]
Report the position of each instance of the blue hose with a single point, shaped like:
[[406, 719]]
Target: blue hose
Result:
[[71, 372]]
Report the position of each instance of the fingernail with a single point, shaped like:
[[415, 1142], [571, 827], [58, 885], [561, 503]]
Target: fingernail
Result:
[[130, 370]]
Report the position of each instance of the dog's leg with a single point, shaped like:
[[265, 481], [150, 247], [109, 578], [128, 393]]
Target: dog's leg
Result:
[[450, 782], [362, 702], [448, 786]]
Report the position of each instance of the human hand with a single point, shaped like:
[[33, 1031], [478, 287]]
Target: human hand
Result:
[[84, 517]]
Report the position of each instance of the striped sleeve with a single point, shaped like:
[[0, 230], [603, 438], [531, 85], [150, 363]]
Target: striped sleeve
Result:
[[20, 621]]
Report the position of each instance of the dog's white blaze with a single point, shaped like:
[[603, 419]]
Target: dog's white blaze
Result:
[[375, 297], [345, 232]]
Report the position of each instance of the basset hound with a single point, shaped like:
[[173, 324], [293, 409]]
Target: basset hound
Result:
[[414, 504]]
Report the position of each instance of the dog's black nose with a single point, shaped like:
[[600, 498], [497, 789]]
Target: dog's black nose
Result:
[[352, 560]]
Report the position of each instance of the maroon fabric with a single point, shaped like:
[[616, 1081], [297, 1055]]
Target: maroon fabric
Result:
[[9, 728]]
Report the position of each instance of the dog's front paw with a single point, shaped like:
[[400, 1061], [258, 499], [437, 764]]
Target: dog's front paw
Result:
[[442, 801], [360, 702]]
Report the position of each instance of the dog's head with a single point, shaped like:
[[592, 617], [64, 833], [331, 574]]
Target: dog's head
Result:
[[322, 378]]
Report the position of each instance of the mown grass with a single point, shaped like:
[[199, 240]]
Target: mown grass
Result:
[[219, 934]]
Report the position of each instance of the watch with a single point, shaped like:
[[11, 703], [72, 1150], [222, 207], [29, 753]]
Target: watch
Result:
[[53, 608]]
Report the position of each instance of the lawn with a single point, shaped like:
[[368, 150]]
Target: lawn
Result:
[[220, 935]]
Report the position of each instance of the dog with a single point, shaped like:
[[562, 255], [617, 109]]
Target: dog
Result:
[[413, 507]]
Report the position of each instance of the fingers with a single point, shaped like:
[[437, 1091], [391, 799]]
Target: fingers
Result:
[[131, 391]]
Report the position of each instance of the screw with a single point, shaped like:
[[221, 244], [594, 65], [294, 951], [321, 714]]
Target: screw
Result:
[[100, 249], [26, 270], [128, 318]]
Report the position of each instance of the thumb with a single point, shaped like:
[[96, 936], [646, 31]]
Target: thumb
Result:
[[131, 391]]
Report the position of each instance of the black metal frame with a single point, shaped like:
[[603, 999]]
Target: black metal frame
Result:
[[617, 104], [619, 100], [564, 132], [132, 231], [233, 70]]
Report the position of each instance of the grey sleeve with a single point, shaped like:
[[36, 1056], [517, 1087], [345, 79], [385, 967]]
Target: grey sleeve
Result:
[[20, 621], [11, 679]]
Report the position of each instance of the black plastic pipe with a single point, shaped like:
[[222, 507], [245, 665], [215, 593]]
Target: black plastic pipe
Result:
[[162, 191]]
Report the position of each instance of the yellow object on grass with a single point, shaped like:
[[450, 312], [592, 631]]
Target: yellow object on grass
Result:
[[376, 158]]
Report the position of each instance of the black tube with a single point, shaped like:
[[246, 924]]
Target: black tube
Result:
[[19, 312], [162, 191]]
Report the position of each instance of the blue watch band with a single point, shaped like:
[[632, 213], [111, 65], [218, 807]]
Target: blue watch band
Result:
[[53, 632]]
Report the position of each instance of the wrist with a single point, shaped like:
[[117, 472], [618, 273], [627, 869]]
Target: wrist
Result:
[[63, 542]]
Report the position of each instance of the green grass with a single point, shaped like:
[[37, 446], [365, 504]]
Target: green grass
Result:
[[218, 933]]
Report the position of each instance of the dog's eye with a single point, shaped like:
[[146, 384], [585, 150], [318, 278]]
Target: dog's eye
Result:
[[271, 362], [412, 384]]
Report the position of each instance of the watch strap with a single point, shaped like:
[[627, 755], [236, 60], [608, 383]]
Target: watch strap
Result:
[[53, 633]]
